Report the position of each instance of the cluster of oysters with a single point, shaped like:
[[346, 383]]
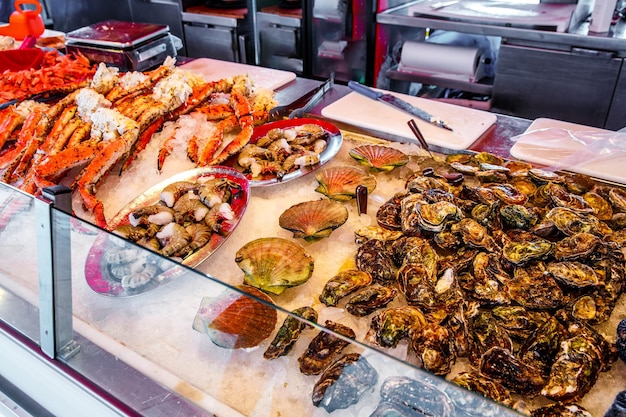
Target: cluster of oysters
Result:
[[508, 266]]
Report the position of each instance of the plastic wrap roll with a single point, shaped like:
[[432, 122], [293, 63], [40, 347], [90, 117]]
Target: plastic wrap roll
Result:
[[441, 60]]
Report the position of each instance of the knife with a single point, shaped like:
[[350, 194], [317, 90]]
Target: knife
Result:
[[397, 103]]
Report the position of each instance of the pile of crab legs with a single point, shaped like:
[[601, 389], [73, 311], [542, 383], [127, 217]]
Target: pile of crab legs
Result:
[[110, 120]]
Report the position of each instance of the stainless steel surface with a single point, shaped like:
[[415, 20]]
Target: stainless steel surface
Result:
[[569, 86], [577, 34]]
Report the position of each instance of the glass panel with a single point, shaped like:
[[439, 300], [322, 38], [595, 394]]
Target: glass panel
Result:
[[18, 262], [205, 341]]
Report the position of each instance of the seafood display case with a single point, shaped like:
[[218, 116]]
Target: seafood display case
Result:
[[186, 348]]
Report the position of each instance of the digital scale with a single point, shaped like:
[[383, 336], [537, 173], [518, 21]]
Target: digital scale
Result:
[[130, 46]]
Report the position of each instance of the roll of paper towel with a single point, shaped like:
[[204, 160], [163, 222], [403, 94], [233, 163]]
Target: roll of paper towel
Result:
[[450, 61]]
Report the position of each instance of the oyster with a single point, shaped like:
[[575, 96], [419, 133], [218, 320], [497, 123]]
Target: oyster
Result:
[[289, 332], [311, 220], [532, 288], [474, 234], [393, 324], [421, 183], [344, 382], [233, 320], [375, 257], [324, 347], [274, 264], [515, 216], [573, 274], [570, 222], [519, 322], [388, 215], [433, 344], [617, 198], [480, 384], [339, 183], [543, 176], [378, 157], [501, 365], [522, 252], [342, 284], [485, 333], [561, 410], [578, 246], [574, 370], [434, 217], [372, 298], [601, 207], [560, 197], [487, 158], [420, 397], [540, 349], [375, 232], [508, 194]]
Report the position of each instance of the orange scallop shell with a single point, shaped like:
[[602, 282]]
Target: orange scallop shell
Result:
[[378, 157], [315, 219], [340, 182], [234, 320]]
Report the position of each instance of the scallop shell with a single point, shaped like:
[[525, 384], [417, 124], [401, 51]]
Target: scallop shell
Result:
[[274, 264], [378, 157], [234, 320], [313, 220], [340, 182]]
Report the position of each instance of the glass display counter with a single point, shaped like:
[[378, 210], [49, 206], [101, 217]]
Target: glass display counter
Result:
[[140, 354]]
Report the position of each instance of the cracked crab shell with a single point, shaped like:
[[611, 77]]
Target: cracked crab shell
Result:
[[315, 219], [340, 182], [274, 264], [378, 157]]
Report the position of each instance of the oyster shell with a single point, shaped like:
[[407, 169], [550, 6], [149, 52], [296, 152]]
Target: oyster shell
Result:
[[485, 333], [344, 382], [324, 347], [501, 365], [480, 384], [274, 264], [578, 246], [474, 234], [339, 183], [574, 371], [434, 217], [376, 257], [573, 274], [233, 320], [312, 220], [372, 298], [531, 287], [601, 207], [570, 222], [343, 284], [393, 324], [378, 157], [289, 332], [520, 253], [541, 348], [561, 410], [515, 216], [433, 344]]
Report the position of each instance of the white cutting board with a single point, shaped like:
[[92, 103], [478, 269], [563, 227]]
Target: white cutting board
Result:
[[467, 124], [213, 70], [540, 145]]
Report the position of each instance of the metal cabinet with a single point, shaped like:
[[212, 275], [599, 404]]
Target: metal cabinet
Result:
[[574, 86]]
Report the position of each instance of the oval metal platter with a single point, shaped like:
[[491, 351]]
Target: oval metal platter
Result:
[[333, 145], [99, 266]]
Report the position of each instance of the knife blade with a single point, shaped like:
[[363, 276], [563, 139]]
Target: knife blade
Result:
[[398, 104]]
